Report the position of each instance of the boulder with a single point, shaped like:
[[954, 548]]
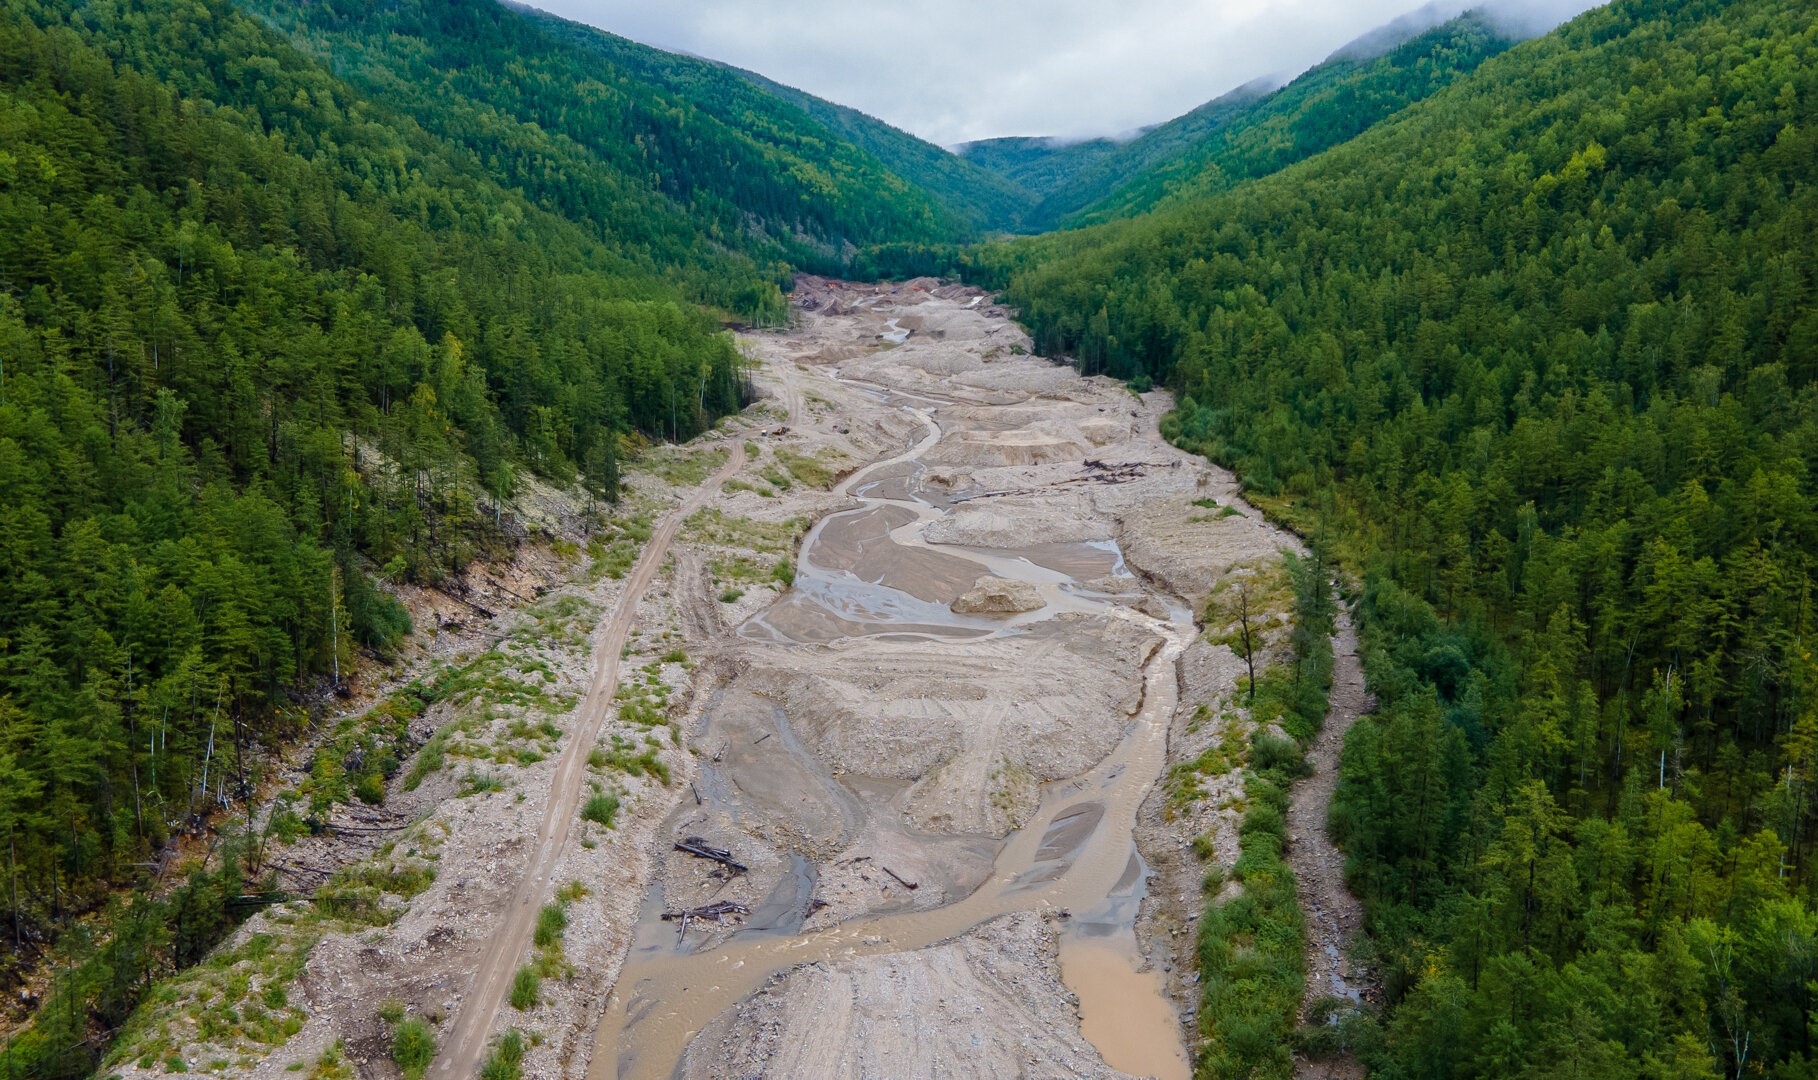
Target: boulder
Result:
[[999, 596]]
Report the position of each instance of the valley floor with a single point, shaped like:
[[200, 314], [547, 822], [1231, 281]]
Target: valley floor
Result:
[[916, 653]]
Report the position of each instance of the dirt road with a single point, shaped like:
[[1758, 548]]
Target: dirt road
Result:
[[1333, 915], [471, 1026]]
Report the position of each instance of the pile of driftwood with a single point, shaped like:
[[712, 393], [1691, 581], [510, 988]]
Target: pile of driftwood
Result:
[[715, 913], [720, 910], [1093, 472], [1121, 473], [699, 848]]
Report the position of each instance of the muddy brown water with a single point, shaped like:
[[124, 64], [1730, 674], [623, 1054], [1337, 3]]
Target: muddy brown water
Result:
[[867, 572]]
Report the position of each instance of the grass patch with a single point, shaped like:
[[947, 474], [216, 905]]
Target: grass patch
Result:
[[601, 807], [526, 988], [1182, 783], [621, 758], [644, 700], [806, 470], [682, 468], [614, 550], [480, 783], [552, 921], [506, 1062], [332, 1064], [764, 537]]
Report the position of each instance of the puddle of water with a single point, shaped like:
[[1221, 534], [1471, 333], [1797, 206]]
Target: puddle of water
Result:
[[1123, 1012]]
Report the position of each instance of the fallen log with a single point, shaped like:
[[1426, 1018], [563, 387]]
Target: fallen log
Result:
[[716, 913], [697, 847], [910, 885]]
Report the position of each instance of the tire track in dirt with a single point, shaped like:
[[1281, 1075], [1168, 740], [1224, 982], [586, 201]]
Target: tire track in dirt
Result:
[[471, 1025]]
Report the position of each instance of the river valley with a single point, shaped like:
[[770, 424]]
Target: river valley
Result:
[[932, 751]]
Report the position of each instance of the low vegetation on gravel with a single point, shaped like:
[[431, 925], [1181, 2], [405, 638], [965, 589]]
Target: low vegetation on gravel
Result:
[[1252, 948]]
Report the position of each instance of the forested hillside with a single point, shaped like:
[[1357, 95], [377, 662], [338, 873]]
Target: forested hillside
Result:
[[1542, 351], [1038, 165], [260, 337], [982, 200], [598, 128], [1095, 175]]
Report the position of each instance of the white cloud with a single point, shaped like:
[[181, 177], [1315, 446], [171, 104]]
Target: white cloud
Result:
[[955, 70]]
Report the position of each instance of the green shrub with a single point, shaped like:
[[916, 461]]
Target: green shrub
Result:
[[478, 783], [506, 1062], [526, 988], [551, 921], [601, 808], [370, 789], [1272, 754], [413, 1046]]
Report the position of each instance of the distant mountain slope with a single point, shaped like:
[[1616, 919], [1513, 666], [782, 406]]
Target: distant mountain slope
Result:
[[1038, 164], [1249, 132], [1099, 174], [982, 199], [596, 127], [1361, 85]]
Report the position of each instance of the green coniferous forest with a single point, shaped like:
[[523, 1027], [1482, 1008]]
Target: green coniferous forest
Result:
[[595, 127], [1329, 105], [1543, 351]]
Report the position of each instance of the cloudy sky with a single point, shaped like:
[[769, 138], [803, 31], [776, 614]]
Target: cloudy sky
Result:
[[955, 70]]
